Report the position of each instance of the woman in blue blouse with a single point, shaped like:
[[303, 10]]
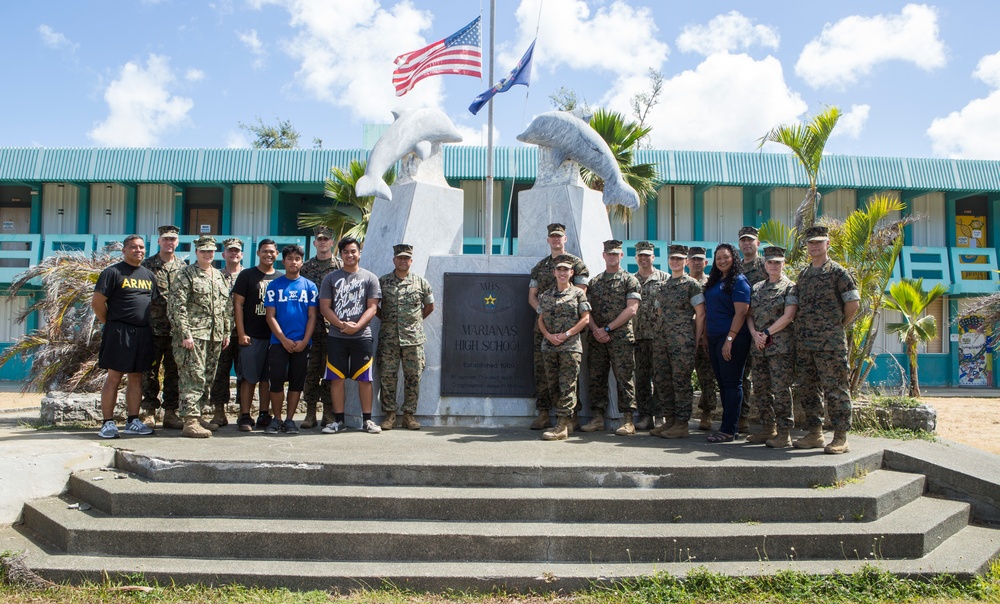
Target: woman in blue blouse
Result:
[[727, 300]]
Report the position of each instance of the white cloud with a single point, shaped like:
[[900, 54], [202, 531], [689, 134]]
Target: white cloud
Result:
[[851, 47], [140, 106], [701, 109], [346, 52], [852, 122], [254, 45], [236, 139], [477, 136], [730, 32], [616, 37], [56, 40], [972, 132], [194, 75]]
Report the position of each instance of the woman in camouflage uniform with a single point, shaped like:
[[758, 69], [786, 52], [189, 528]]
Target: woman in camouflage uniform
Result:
[[563, 312]]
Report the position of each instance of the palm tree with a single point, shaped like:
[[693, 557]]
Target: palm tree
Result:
[[349, 214], [806, 141], [909, 299], [623, 137]]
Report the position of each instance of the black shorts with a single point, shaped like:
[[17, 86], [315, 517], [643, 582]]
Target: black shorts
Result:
[[287, 366], [126, 348], [348, 358]]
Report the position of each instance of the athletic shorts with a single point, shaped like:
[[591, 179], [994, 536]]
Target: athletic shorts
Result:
[[126, 348], [253, 360], [284, 366], [349, 359]]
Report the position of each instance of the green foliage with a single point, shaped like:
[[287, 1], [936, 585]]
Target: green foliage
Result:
[[776, 233], [623, 137], [908, 297], [267, 136], [566, 99], [348, 215]]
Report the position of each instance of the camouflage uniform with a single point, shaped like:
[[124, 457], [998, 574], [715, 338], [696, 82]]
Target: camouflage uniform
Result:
[[703, 367], [821, 343], [401, 338], [221, 391], [674, 347], [755, 272], [560, 311], [774, 367], [543, 278], [645, 332], [199, 309], [317, 389], [608, 295], [163, 353]]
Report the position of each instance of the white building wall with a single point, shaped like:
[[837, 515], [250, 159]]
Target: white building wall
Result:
[[251, 210], [931, 231], [723, 213], [474, 219], [838, 204], [9, 310], [154, 207], [60, 208], [784, 202], [107, 209]]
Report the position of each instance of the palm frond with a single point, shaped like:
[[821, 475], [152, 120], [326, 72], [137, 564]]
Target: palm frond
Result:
[[348, 214]]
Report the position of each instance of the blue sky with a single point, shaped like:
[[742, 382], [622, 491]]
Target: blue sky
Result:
[[920, 80]]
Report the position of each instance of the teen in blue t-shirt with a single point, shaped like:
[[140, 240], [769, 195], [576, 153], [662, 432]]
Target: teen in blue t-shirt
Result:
[[290, 306]]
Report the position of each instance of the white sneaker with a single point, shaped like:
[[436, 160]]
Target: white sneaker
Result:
[[372, 428], [108, 430], [138, 428], [334, 427]]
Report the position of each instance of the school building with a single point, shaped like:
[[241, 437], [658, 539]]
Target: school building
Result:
[[81, 199]]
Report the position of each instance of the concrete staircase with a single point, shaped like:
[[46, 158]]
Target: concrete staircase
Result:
[[451, 517]]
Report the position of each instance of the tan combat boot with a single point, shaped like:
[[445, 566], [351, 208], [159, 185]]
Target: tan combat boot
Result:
[[220, 419], [327, 414], [839, 444], [781, 440], [148, 417], [744, 425], [705, 425], [542, 421], [172, 420], [561, 431], [310, 419], [767, 432], [410, 422], [668, 422], [390, 420], [812, 440], [575, 424], [627, 428], [678, 430], [193, 428], [596, 422], [207, 424], [645, 422]]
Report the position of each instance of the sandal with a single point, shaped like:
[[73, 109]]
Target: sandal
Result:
[[719, 437]]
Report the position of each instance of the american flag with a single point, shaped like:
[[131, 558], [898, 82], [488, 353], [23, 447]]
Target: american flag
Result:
[[458, 54]]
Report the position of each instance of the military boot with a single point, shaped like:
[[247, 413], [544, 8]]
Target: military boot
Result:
[[575, 424], [744, 425], [220, 419], [705, 425], [172, 420], [193, 428], [781, 440], [561, 431], [668, 422], [542, 421], [596, 422], [645, 422], [678, 430], [767, 432], [148, 417], [812, 440], [327, 414], [627, 428], [390, 420], [410, 422], [310, 420], [839, 444], [207, 424]]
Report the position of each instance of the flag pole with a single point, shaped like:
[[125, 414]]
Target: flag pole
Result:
[[488, 222]]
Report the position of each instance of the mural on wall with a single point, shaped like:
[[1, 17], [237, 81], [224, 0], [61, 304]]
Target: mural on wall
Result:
[[975, 352], [970, 232]]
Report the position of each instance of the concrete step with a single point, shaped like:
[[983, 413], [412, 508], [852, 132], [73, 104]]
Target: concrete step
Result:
[[965, 554], [909, 532], [867, 499]]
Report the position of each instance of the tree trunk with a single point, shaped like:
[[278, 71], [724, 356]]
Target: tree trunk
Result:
[[911, 353]]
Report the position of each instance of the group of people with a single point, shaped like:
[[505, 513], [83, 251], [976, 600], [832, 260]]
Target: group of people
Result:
[[652, 329], [308, 328]]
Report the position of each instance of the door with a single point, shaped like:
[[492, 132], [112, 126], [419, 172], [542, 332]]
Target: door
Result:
[[203, 221]]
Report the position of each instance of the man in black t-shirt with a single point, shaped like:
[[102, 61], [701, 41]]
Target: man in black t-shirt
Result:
[[253, 333], [121, 301]]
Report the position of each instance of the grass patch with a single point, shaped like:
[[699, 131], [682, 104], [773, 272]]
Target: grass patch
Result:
[[39, 426], [857, 477], [896, 433], [886, 400]]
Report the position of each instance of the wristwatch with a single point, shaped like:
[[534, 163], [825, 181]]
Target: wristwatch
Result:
[[607, 329], [767, 333], [568, 334], [729, 338]]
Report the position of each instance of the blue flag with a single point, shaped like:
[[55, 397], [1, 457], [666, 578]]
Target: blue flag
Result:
[[521, 74]]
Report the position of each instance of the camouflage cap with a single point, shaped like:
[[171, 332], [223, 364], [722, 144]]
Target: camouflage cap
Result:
[[556, 229], [644, 248], [817, 233], [204, 243], [232, 242], [695, 252], [564, 260], [773, 252], [322, 232], [678, 251], [169, 230], [612, 246], [748, 231], [404, 250]]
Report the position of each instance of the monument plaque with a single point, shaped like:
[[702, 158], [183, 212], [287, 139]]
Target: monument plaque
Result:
[[487, 335]]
